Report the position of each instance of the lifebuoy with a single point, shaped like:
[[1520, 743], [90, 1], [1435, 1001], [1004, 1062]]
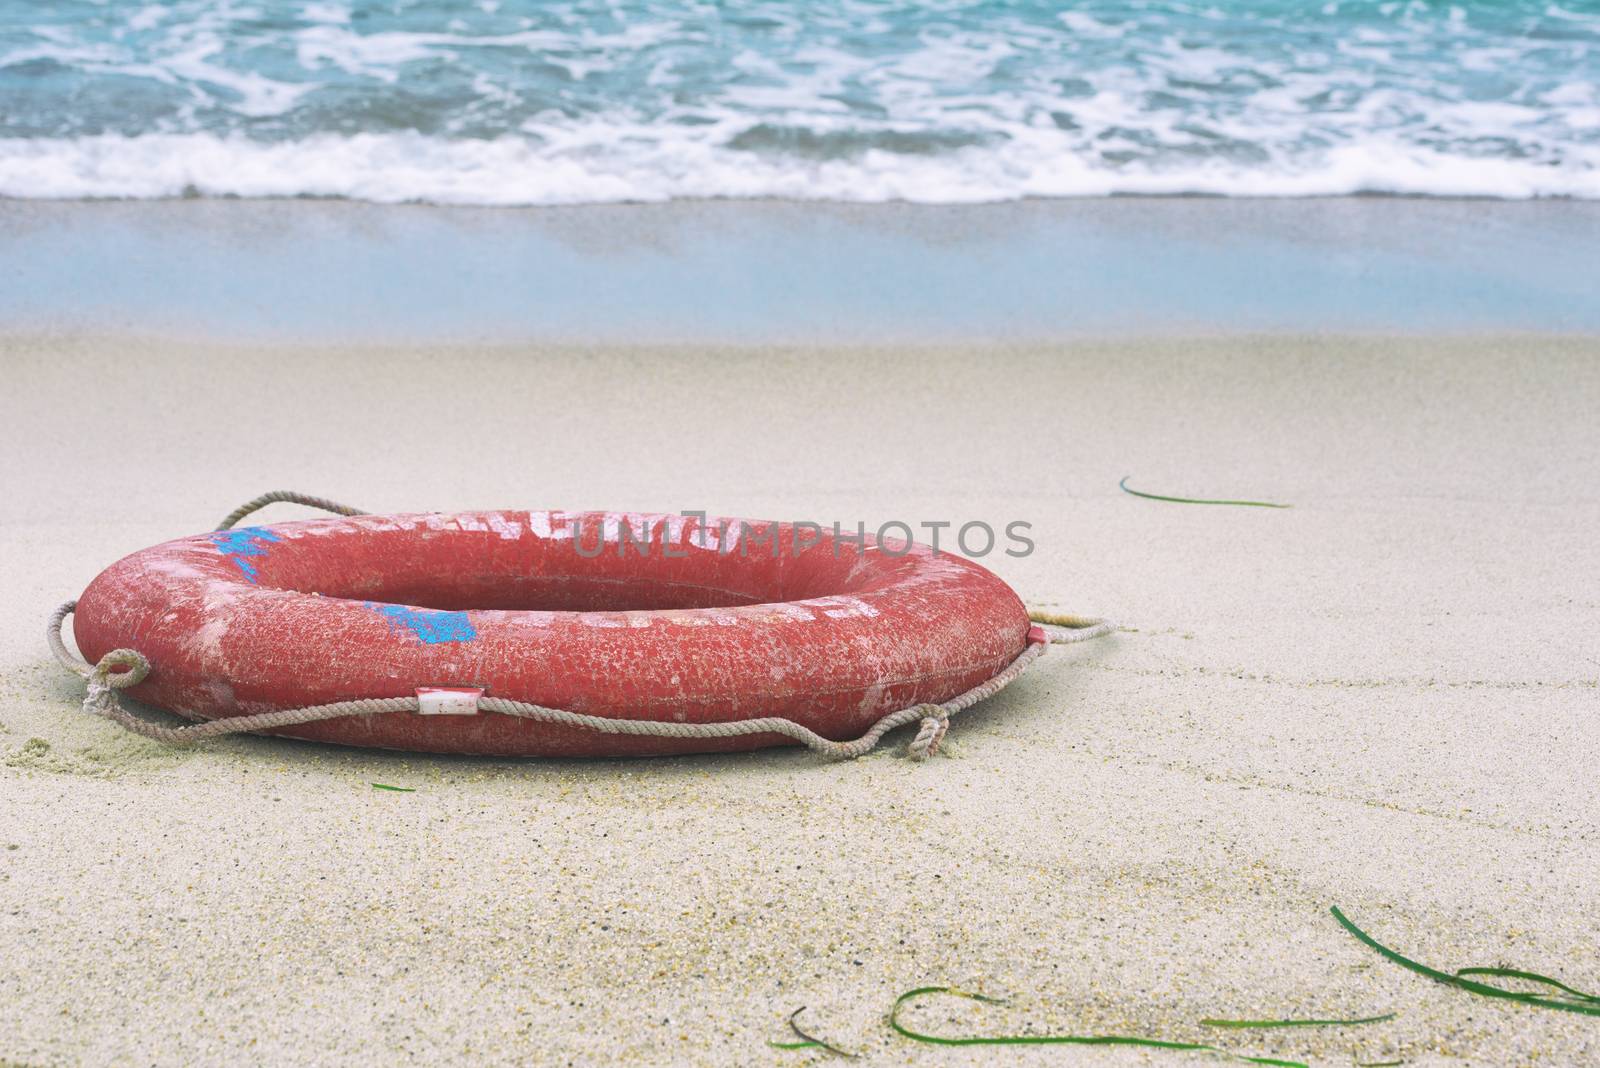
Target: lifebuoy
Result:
[[619, 615]]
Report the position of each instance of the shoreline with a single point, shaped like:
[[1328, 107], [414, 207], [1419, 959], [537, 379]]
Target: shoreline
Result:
[[746, 272]]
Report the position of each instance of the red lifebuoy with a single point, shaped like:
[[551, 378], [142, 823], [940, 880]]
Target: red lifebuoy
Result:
[[620, 615]]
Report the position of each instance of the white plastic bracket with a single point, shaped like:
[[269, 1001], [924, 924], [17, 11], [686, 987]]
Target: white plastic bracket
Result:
[[448, 700]]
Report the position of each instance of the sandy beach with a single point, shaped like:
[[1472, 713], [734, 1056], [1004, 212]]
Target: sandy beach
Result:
[[1267, 331], [1383, 698]]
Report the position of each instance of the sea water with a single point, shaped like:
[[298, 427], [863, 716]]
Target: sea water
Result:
[[531, 102]]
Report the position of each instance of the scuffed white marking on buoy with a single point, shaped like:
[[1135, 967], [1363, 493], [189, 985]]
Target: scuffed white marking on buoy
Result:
[[206, 643], [220, 693], [676, 526], [727, 536], [522, 617], [862, 608], [177, 569], [638, 526], [398, 523], [508, 529], [558, 526], [842, 607], [216, 599], [687, 618]]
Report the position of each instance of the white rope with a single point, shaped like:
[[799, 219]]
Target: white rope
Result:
[[288, 497], [52, 634], [1065, 629], [122, 668]]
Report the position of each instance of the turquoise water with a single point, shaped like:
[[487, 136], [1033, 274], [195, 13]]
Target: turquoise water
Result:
[[523, 102]]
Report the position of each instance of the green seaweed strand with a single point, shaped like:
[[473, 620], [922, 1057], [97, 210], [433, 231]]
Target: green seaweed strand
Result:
[[1586, 1008], [1123, 485], [1532, 977], [810, 1041], [1252, 1024], [1053, 1040]]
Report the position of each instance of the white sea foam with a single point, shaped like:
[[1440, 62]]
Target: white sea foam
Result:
[[616, 164]]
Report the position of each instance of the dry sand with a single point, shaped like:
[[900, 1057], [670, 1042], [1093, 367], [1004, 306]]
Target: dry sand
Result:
[[1384, 698]]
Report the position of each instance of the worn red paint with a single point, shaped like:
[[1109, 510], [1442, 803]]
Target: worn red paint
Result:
[[704, 627]]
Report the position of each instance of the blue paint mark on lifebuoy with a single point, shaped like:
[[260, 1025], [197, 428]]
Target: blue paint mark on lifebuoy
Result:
[[239, 545], [432, 626]]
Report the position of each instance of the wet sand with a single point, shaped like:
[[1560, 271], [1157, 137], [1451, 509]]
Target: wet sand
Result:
[[775, 272], [1384, 698]]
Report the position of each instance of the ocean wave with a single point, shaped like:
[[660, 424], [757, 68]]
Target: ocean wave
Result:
[[558, 101], [397, 168]]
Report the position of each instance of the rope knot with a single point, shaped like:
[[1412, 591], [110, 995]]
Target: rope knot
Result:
[[98, 698], [935, 722], [117, 670]]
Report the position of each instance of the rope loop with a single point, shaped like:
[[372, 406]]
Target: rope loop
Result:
[[287, 497], [64, 656], [121, 668], [1061, 628]]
